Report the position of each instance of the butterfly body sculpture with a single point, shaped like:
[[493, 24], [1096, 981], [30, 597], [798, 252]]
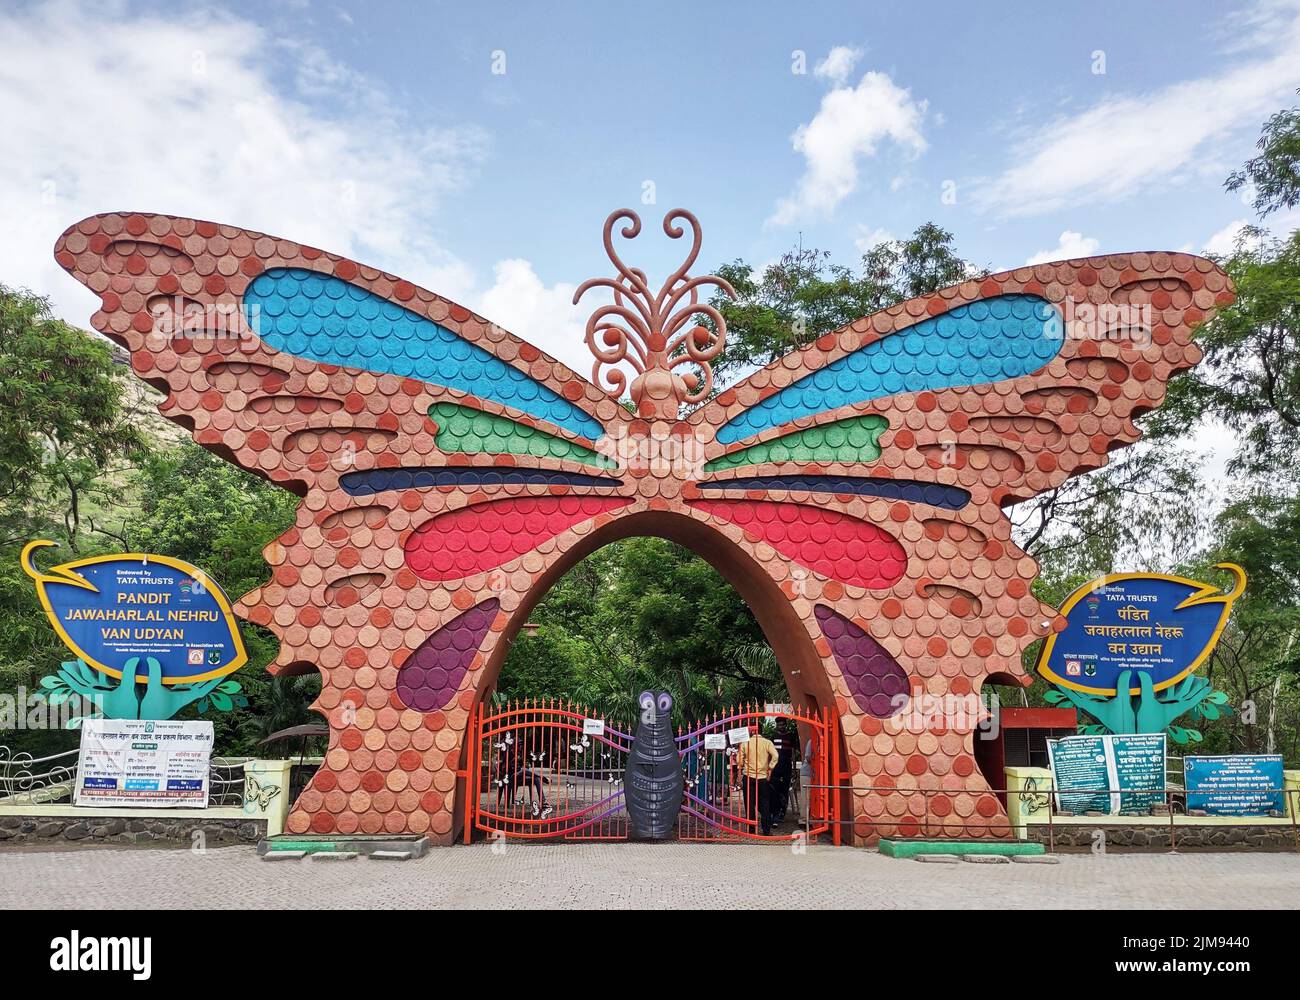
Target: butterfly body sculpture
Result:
[[653, 783], [853, 491]]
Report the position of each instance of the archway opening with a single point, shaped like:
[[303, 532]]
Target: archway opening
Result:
[[652, 602], [642, 613], [704, 556]]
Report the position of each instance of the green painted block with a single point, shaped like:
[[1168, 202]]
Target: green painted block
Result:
[[854, 439], [911, 848], [300, 846], [464, 429], [335, 844]]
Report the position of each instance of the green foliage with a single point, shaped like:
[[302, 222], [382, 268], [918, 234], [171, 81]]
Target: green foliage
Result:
[[28, 646], [1250, 376], [643, 613], [1274, 175], [194, 506], [1132, 511], [63, 421]]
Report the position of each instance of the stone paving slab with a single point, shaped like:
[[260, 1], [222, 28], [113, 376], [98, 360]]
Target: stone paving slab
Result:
[[638, 875]]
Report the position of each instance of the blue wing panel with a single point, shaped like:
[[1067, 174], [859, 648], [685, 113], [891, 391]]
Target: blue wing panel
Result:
[[987, 341], [326, 319]]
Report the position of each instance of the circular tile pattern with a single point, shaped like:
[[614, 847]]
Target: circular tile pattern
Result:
[[870, 471], [828, 542], [432, 675], [487, 535]]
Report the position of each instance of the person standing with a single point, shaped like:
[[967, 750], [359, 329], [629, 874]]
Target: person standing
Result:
[[756, 758], [787, 751]]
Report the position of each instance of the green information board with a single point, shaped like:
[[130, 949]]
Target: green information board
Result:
[[1111, 774]]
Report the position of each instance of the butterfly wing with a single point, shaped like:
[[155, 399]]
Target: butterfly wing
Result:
[[431, 448], [257, 340], [880, 461]]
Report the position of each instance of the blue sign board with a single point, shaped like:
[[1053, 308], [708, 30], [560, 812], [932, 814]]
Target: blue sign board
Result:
[[1108, 774], [1234, 785], [1146, 623], [109, 609]]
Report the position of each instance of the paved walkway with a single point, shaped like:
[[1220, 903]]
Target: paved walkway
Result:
[[637, 875]]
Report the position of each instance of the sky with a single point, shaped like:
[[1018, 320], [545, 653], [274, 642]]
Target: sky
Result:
[[476, 148]]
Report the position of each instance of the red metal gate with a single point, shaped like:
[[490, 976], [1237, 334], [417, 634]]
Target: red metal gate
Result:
[[552, 770], [716, 807], [543, 770]]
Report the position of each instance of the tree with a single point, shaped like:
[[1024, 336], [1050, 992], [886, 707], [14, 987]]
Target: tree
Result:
[[63, 423], [919, 265], [1273, 175], [1133, 509], [194, 506], [1257, 659], [1250, 376], [641, 613], [550, 664]]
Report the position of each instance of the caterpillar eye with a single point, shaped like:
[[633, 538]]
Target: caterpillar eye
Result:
[[665, 702], [646, 700]]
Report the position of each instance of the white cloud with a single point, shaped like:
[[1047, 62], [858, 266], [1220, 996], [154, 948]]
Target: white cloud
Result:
[[1224, 242], [848, 127], [838, 64], [545, 317], [1275, 227], [1071, 244], [867, 237], [1125, 144], [105, 109]]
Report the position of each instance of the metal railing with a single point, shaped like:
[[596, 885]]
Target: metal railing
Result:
[[933, 822], [226, 781], [28, 780]]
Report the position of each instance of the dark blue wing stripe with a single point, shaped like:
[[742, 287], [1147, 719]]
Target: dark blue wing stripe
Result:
[[911, 490], [361, 484]]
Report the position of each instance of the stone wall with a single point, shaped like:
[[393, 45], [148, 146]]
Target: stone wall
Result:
[[133, 830], [1155, 837]]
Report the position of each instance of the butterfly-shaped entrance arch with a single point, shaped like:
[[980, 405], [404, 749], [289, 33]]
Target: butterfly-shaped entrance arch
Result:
[[854, 490]]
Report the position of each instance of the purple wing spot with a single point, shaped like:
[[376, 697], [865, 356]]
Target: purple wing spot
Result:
[[874, 677], [432, 675]]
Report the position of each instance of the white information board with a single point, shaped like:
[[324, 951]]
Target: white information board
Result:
[[129, 762]]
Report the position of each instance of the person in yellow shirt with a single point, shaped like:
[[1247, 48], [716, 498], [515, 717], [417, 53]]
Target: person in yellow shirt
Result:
[[756, 758]]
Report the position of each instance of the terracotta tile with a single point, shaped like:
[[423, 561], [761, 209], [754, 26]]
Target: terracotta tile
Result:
[[399, 585]]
